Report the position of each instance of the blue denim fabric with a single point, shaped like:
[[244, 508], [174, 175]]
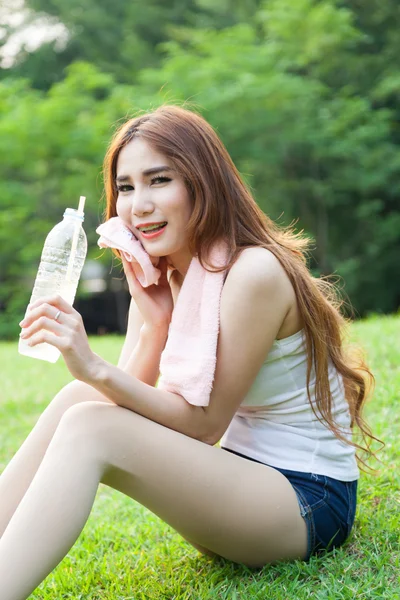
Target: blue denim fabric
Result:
[[327, 505]]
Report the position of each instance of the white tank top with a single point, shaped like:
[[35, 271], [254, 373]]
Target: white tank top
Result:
[[276, 425]]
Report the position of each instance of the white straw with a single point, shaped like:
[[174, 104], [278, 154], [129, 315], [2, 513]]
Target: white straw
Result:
[[75, 240], [81, 204]]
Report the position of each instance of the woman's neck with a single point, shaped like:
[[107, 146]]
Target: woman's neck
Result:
[[180, 263]]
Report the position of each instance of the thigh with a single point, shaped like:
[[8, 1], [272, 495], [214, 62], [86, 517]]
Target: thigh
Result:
[[327, 505], [237, 509]]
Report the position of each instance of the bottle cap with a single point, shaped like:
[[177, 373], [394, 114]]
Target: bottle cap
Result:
[[73, 212]]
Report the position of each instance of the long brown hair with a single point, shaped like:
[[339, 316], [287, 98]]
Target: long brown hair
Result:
[[224, 208]]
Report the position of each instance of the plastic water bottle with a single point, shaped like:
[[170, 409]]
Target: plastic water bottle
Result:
[[61, 263]]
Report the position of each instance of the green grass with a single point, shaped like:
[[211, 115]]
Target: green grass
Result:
[[126, 552]]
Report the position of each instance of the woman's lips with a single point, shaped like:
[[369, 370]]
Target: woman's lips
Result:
[[150, 235]]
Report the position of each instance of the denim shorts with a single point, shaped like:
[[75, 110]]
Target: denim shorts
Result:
[[327, 505]]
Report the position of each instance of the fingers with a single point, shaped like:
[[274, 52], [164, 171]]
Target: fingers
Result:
[[43, 311], [44, 336], [56, 301], [125, 262], [39, 324], [41, 328], [133, 282]]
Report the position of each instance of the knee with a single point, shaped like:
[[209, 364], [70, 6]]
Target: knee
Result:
[[72, 394], [85, 424]]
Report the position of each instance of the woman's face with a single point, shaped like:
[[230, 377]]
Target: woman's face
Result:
[[150, 191]]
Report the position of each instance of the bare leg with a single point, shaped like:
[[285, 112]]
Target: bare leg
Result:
[[241, 510], [18, 474]]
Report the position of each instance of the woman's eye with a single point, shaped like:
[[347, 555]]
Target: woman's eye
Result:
[[160, 179], [124, 188], [121, 188]]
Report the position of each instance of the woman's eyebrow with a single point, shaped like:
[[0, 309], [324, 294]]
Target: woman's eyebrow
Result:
[[150, 171], [156, 170]]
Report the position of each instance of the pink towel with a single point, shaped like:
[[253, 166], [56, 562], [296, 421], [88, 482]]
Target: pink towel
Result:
[[188, 361], [114, 234]]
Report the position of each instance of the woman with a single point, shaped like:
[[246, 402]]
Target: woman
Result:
[[294, 490]]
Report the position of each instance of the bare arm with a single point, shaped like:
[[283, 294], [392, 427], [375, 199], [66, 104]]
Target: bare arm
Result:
[[138, 359], [161, 406], [135, 322]]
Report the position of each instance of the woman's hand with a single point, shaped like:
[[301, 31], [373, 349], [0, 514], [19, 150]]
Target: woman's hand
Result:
[[67, 334], [154, 302]]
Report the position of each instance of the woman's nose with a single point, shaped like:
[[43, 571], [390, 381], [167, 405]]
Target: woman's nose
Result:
[[141, 203]]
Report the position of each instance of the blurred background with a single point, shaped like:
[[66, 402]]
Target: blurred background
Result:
[[305, 94]]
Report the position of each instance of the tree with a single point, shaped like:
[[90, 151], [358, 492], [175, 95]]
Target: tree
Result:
[[51, 151], [118, 37], [315, 147], [313, 141]]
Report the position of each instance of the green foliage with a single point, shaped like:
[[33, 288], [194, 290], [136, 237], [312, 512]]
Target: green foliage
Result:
[[118, 37], [315, 150], [51, 151], [304, 94]]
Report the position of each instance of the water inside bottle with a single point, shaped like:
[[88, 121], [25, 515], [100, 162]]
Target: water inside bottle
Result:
[[51, 277], [46, 351]]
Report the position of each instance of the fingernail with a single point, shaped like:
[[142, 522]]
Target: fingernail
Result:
[[22, 323]]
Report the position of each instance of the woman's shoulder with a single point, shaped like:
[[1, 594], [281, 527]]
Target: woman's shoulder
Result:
[[260, 262], [256, 265]]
